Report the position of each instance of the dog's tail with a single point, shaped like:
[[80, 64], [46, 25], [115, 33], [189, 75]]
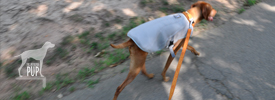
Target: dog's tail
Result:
[[123, 45], [17, 56]]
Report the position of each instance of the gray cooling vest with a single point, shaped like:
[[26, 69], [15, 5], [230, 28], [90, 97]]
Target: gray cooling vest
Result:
[[155, 35]]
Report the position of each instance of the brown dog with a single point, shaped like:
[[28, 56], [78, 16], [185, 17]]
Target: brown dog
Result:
[[199, 10]]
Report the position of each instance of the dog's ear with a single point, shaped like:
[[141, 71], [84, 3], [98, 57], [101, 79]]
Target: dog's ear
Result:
[[194, 5], [206, 10], [197, 4]]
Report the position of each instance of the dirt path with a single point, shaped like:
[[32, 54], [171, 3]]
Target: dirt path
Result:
[[26, 24]]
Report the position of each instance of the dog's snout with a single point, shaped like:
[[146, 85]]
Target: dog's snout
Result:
[[210, 18]]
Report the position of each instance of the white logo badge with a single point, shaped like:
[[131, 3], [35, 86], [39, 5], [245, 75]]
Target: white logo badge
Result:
[[177, 16], [34, 68]]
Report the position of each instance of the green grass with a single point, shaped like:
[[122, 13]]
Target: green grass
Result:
[[164, 2], [72, 89], [251, 2], [91, 83], [103, 45], [83, 73], [98, 63], [159, 52], [117, 20], [144, 2], [107, 24], [84, 41], [118, 54], [99, 35], [93, 45], [84, 34], [123, 70], [89, 46], [67, 40], [91, 29], [115, 57], [16, 88], [112, 36], [10, 68], [101, 68], [178, 8], [60, 81], [48, 87], [49, 62], [241, 10], [22, 96], [40, 93], [73, 47], [60, 52], [203, 22], [89, 50], [174, 9]]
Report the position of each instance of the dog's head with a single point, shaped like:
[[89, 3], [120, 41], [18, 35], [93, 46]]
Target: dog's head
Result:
[[48, 45], [206, 10]]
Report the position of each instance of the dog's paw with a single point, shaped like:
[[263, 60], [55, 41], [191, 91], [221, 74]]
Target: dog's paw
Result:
[[197, 53], [166, 79], [151, 76]]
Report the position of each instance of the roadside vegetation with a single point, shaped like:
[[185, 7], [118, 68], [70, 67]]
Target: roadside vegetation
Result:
[[22, 96], [165, 6], [251, 2], [246, 5], [103, 56]]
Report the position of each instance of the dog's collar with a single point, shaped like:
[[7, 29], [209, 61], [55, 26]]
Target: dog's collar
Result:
[[189, 17]]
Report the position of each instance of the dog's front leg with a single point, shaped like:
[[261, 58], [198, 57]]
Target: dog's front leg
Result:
[[170, 59], [193, 50], [41, 63]]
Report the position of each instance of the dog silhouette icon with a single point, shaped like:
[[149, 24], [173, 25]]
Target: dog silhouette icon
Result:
[[37, 54]]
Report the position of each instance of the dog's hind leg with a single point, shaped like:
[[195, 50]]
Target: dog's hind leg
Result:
[[137, 61], [22, 64], [143, 70], [131, 76]]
